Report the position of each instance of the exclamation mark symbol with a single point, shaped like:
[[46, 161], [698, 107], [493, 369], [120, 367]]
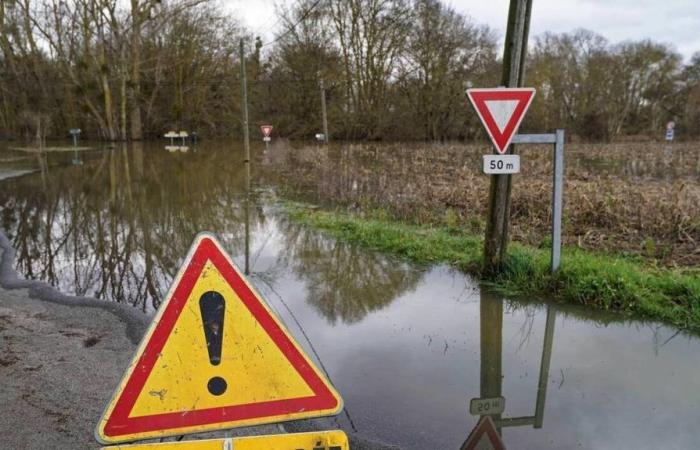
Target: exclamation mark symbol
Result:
[[212, 308]]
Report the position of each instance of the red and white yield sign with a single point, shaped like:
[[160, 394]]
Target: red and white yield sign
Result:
[[484, 437], [501, 110], [266, 130]]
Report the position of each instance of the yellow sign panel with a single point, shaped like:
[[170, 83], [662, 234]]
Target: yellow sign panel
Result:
[[322, 440], [214, 357]]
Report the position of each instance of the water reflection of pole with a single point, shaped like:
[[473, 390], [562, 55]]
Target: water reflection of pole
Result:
[[246, 143], [247, 217], [491, 326], [544, 366], [491, 361]]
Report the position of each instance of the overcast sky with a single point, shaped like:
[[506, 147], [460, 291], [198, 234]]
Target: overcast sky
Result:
[[676, 22]]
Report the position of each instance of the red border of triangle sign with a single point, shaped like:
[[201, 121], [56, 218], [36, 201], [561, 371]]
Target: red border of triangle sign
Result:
[[501, 110], [120, 423], [266, 130]]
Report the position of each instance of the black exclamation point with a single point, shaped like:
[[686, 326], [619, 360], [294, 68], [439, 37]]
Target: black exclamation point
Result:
[[211, 306]]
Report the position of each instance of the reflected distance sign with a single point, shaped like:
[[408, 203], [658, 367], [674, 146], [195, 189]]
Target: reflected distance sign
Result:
[[484, 406]]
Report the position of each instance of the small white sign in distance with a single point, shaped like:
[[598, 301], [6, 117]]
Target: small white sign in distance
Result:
[[501, 164], [483, 406], [267, 139]]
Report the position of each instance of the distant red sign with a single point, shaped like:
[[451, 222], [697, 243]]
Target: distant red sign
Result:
[[266, 130], [501, 110]]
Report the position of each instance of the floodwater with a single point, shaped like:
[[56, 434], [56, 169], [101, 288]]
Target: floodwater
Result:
[[406, 346]]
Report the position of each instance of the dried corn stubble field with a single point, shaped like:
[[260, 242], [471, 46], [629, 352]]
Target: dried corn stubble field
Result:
[[635, 198]]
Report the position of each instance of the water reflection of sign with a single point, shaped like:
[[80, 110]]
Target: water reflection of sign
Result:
[[215, 357], [501, 110], [482, 406], [484, 437], [177, 148], [319, 440]]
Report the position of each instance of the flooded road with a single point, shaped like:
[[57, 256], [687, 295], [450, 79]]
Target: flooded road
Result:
[[406, 346]]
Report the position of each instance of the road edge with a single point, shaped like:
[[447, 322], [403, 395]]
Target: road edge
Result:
[[136, 321]]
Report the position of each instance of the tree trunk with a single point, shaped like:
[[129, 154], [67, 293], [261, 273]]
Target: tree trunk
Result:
[[135, 85]]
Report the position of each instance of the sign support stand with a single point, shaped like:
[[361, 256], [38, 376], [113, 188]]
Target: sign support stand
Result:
[[557, 139], [557, 199], [324, 114]]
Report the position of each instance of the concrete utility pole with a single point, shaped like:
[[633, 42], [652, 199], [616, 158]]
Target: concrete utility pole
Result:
[[246, 144], [326, 137], [514, 52]]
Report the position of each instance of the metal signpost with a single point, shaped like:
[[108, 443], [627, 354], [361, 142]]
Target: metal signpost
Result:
[[266, 131], [172, 135], [214, 357], [75, 132], [557, 140], [501, 111], [670, 130]]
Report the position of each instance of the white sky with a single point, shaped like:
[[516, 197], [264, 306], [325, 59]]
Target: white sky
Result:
[[675, 22]]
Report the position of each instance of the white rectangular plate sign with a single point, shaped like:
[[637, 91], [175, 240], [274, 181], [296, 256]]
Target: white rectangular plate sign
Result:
[[483, 406], [500, 164]]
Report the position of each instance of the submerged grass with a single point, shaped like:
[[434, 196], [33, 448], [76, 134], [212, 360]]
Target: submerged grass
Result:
[[596, 280]]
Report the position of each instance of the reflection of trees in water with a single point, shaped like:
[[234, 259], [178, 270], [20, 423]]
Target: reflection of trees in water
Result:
[[343, 281], [119, 226]]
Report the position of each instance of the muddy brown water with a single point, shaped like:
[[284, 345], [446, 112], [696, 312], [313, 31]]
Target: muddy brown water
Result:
[[407, 346]]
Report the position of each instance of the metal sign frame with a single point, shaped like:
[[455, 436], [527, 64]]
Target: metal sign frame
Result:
[[557, 139]]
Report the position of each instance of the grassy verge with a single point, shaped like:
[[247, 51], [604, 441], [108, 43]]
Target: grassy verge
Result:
[[600, 281]]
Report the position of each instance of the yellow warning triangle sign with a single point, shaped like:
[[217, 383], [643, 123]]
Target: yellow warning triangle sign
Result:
[[214, 357]]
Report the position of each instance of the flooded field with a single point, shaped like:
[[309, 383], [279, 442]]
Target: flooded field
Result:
[[406, 346]]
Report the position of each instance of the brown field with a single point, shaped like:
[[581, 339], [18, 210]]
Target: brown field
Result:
[[633, 198]]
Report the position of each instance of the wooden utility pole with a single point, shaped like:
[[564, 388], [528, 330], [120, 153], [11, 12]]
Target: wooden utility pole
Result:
[[244, 105], [246, 145], [326, 137], [514, 52]]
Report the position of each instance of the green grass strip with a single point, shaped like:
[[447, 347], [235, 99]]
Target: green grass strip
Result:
[[605, 282]]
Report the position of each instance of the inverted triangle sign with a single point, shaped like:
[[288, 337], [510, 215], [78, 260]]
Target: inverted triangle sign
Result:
[[484, 436], [215, 357], [266, 130], [501, 110]]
